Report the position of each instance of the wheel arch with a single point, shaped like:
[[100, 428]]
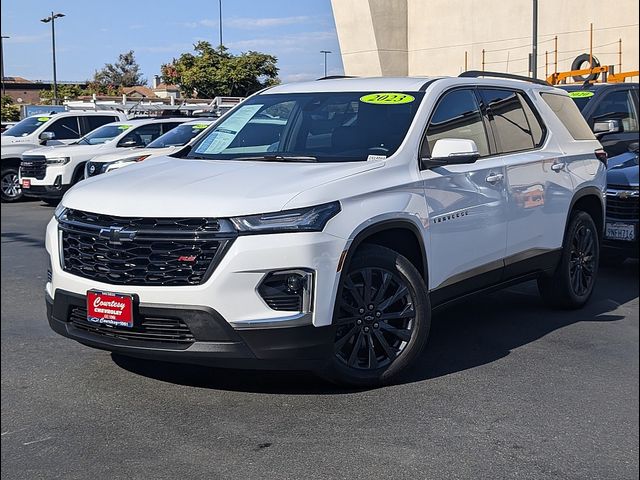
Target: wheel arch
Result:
[[9, 162], [589, 200]]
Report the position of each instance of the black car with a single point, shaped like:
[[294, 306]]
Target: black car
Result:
[[611, 110], [623, 206]]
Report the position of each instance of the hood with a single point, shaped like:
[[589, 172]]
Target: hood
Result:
[[132, 152], [172, 187], [68, 150], [16, 149], [622, 170]]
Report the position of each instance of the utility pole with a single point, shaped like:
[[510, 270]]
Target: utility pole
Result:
[[220, 21], [534, 46], [52, 19], [2, 62], [325, 60]]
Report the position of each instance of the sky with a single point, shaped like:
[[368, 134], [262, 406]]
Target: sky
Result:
[[94, 33]]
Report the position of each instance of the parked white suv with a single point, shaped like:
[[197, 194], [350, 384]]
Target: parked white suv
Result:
[[317, 225], [48, 172], [44, 129], [169, 143]]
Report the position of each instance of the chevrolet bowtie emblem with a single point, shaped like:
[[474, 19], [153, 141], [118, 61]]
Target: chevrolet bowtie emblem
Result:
[[116, 235]]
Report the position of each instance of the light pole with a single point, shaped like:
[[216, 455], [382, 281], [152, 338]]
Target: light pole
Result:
[[220, 12], [325, 60], [2, 61], [52, 19], [534, 46]]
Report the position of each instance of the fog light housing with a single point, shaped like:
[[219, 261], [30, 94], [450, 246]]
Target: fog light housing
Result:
[[288, 290]]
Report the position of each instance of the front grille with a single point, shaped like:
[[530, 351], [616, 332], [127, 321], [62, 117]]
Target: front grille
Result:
[[142, 251], [33, 166], [151, 329], [623, 206]]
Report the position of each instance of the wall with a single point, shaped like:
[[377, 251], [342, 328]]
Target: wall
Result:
[[419, 37]]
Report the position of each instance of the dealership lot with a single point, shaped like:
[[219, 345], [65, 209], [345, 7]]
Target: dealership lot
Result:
[[506, 389]]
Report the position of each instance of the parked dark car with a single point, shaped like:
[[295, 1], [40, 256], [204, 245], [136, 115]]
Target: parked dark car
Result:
[[623, 202], [611, 110]]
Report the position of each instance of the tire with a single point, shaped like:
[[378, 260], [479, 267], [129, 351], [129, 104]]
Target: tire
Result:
[[577, 65], [10, 186], [572, 283], [52, 202], [380, 330]]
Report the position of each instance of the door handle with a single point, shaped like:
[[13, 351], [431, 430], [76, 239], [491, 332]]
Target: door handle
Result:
[[558, 166], [494, 178]]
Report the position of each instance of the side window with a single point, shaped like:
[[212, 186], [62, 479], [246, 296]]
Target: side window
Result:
[[619, 105], [65, 128], [509, 122], [91, 122], [537, 128], [568, 113], [169, 126], [457, 115], [141, 136]]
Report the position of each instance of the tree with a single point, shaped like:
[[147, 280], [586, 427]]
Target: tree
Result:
[[69, 92], [212, 72], [10, 111], [124, 73]]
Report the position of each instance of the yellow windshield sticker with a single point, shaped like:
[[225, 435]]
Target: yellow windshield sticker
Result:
[[581, 94], [44, 119], [124, 127], [389, 98], [200, 126]]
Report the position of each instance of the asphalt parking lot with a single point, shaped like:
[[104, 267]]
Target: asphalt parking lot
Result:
[[506, 389]]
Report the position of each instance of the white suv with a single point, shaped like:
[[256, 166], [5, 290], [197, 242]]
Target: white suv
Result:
[[169, 143], [44, 129], [48, 172], [317, 224]]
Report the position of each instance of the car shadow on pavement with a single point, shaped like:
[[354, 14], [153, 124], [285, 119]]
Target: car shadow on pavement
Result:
[[476, 332]]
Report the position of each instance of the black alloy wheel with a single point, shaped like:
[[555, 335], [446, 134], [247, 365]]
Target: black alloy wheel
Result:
[[572, 282], [381, 320]]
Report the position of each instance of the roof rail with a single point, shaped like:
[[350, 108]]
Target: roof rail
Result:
[[331, 77], [482, 73]]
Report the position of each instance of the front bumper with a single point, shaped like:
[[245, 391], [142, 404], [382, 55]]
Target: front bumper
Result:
[[214, 341]]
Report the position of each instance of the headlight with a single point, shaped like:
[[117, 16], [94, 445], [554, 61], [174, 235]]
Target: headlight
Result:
[[310, 219], [124, 161], [58, 160], [60, 211]]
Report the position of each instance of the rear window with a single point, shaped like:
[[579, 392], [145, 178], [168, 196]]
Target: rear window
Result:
[[570, 116]]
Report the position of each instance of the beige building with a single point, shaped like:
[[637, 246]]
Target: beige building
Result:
[[436, 37]]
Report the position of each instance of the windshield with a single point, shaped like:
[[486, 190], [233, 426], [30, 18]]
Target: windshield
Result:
[[178, 136], [324, 127], [26, 126], [103, 134]]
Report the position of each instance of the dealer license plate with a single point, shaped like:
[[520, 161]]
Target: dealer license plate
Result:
[[110, 308]]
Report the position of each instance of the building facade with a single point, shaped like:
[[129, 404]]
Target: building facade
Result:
[[445, 37]]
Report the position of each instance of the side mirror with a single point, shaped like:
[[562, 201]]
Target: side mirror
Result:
[[46, 136], [128, 143], [452, 151], [602, 127]]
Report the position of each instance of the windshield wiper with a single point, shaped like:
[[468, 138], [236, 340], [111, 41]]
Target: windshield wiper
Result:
[[279, 158]]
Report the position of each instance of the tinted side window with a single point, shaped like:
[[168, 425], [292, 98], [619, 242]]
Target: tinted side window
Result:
[[508, 120], [65, 128], [169, 126], [94, 121], [457, 115], [618, 105], [537, 129], [143, 135], [570, 116]]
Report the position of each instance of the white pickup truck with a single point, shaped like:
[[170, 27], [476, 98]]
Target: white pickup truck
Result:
[[44, 129]]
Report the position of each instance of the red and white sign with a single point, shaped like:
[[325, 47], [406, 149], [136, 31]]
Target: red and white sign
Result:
[[26, 183], [110, 308]]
